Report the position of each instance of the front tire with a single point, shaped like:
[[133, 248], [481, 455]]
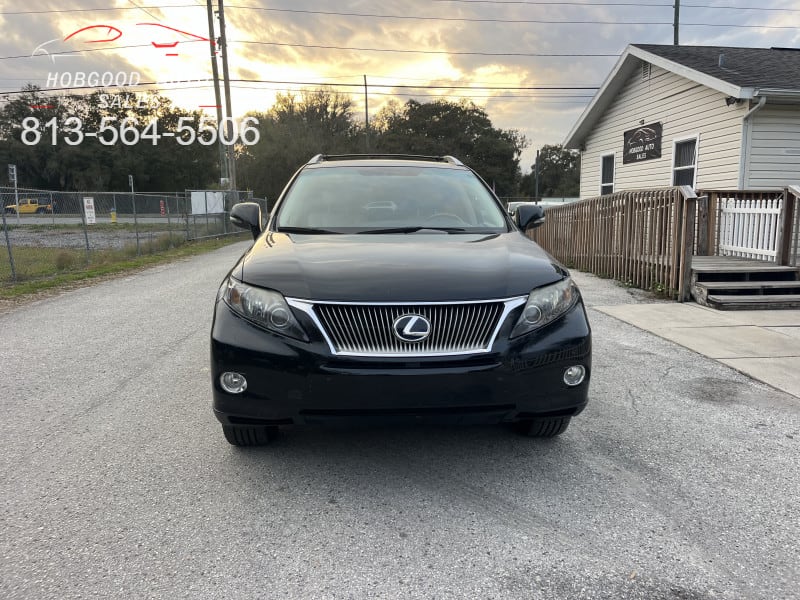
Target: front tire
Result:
[[546, 427], [249, 435]]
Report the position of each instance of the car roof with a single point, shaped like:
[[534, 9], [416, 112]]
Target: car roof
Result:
[[388, 160]]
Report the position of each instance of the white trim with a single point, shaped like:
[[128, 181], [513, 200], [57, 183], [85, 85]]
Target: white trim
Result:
[[675, 142], [628, 61], [747, 143], [598, 105], [613, 156], [707, 80]]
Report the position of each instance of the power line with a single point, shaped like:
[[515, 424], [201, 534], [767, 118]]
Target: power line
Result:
[[313, 83], [68, 52], [97, 9], [636, 4], [490, 2], [554, 99], [325, 47], [360, 49], [494, 20], [143, 8]]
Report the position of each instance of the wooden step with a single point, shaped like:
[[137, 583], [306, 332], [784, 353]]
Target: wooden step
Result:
[[748, 268], [756, 302], [748, 285], [776, 274], [726, 264]]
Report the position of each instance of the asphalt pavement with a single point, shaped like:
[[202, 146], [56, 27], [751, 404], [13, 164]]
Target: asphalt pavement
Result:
[[679, 481]]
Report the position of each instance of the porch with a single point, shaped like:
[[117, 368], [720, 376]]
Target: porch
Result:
[[724, 249]]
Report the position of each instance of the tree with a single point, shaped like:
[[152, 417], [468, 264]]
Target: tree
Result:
[[460, 129], [291, 132], [559, 173], [159, 164]]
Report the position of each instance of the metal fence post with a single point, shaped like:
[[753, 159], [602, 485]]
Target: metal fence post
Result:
[[85, 230], [8, 245], [169, 222], [135, 219], [186, 214]]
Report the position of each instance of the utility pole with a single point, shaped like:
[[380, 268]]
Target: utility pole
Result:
[[676, 23], [536, 178], [227, 78], [366, 115], [223, 156]]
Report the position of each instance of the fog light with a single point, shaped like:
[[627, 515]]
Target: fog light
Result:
[[233, 383], [574, 375]]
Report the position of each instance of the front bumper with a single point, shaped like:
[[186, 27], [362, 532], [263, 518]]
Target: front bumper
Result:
[[294, 382]]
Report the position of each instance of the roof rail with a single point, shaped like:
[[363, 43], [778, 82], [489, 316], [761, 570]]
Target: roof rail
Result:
[[325, 157]]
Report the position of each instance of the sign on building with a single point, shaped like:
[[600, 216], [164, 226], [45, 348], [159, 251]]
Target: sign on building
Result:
[[88, 209], [642, 143]]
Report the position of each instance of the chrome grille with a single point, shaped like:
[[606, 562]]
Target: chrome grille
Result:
[[367, 329]]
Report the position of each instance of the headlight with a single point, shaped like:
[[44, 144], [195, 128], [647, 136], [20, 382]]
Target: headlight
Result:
[[263, 307], [546, 304]]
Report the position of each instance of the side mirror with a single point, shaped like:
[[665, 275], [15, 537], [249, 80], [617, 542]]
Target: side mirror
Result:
[[247, 215], [528, 217]]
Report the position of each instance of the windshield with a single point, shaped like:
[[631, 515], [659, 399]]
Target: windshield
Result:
[[390, 199]]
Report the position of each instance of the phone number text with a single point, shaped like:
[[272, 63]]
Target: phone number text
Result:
[[129, 131]]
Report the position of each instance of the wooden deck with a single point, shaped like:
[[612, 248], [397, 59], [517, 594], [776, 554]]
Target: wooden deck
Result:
[[731, 264]]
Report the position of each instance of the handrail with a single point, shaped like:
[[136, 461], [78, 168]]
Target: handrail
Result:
[[687, 192]]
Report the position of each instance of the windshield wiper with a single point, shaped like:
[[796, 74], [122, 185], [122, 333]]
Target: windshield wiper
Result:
[[309, 230], [414, 229]]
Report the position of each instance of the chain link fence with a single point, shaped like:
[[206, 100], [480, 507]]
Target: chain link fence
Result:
[[46, 232]]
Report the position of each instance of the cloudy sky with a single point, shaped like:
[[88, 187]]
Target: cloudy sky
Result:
[[494, 52]]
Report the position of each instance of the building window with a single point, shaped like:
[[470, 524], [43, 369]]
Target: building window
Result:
[[684, 162], [607, 175]]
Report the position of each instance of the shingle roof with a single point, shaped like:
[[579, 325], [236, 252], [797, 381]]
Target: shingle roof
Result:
[[742, 67], [746, 73]]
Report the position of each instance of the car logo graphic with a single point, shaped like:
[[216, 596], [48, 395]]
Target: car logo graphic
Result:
[[411, 328]]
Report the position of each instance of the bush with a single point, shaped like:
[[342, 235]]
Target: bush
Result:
[[64, 260]]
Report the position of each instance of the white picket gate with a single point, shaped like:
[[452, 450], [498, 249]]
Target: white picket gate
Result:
[[748, 227]]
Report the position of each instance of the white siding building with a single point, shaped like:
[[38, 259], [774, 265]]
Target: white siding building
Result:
[[710, 117]]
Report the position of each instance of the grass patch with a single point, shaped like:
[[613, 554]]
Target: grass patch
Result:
[[174, 225], [40, 269]]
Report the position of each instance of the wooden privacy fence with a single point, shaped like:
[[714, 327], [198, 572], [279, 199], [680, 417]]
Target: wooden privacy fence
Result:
[[643, 238], [754, 224]]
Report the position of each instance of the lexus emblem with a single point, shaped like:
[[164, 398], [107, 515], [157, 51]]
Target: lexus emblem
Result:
[[411, 328]]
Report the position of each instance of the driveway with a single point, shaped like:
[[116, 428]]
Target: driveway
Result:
[[680, 480]]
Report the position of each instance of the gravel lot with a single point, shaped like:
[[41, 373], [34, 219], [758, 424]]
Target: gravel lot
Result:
[[58, 238], [679, 481]]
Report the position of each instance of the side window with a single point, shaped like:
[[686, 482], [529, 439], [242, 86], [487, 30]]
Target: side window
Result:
[[607, 175], [685, 162]]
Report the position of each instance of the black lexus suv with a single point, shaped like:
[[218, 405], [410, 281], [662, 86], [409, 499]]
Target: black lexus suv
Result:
[[395, 288]]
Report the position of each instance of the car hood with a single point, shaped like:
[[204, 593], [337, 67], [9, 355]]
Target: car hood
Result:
[[419, 267]]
